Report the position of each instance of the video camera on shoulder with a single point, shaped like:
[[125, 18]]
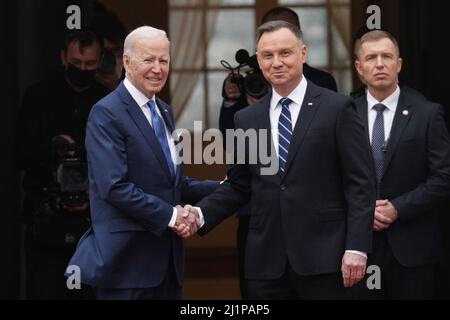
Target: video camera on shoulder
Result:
[[62, 212], [71, 174], [247, 75]]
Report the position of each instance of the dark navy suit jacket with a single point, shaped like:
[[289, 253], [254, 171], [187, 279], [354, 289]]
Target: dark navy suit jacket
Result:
[[132, 196]]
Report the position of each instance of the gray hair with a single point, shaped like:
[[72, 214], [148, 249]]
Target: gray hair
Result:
[[276, 25], [144, 32]]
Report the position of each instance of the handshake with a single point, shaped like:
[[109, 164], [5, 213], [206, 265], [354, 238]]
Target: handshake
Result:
[[187, 222]]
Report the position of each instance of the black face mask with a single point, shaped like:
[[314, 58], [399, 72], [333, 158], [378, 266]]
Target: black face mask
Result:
[[78, 77]]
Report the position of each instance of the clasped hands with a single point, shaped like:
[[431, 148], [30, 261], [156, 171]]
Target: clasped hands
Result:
[[385, 215], [187, 222]]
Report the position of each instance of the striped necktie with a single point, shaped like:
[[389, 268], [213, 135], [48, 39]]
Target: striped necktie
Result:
[[284, 133]]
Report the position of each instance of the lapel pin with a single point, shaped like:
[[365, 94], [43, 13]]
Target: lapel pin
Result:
[[405, 112], [310, 104]]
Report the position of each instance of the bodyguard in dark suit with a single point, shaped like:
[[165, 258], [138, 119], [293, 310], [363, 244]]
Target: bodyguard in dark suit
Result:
[[130, 252], [310, 224], [411, 165]]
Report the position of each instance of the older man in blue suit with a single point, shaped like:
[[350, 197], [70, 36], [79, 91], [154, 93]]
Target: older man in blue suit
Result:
[[131, 251]]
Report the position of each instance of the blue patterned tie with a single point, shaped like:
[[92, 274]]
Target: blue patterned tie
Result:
[[160, 132], [378, 141], [284, 133]]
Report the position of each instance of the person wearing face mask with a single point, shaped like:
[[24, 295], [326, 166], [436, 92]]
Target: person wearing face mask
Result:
[[51, 126]]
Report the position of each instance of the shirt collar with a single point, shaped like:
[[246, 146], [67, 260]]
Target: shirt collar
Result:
[[390, 102], [297, 95], [137, 95]]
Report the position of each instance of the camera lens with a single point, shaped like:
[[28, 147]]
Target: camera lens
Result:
[[255, 85]]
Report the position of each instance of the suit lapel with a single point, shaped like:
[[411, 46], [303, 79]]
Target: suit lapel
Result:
[[167, 115], [401, 118], [361, 106], [362, 109], [263, 119], [308, 110], [144, 127]]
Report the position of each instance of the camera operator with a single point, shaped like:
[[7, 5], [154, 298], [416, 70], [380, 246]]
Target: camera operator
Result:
[[235, 99], [240, 91], [52, 122]]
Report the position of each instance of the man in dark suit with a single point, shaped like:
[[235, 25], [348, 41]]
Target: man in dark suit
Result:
[[411, 166], [311, 220], [235, 100], [130, 252]]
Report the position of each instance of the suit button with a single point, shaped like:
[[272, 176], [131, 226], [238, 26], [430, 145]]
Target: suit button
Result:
[[283, 187]]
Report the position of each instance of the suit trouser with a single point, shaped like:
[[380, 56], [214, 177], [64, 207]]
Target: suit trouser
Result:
[[397, 281], [242, 233], [169, 289], [292, 286]]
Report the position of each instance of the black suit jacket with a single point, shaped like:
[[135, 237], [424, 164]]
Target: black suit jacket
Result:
[[319, 77], [416, 176], [323, 204]]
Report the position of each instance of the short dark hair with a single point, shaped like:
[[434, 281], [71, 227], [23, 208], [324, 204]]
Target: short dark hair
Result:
[[281, 10], [375, 35], [275, 25], [85, 38]]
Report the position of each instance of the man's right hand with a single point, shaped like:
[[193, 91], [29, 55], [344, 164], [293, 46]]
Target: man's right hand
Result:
[[385, 215], [231, 89], [187, 222], [61, 144], [353, 268]]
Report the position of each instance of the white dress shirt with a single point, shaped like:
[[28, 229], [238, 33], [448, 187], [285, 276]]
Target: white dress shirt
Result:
[[388, 113], [297, 96], [142, 101]]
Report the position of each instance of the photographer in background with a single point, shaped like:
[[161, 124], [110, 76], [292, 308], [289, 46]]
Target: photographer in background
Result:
[[235, 99], [240, 90], [51, 127]]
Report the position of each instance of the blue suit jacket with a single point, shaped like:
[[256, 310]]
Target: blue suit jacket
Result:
[[132, 196]]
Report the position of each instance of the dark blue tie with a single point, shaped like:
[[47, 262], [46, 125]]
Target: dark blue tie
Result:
[[284, 133], [378, 140], [160, 132]]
